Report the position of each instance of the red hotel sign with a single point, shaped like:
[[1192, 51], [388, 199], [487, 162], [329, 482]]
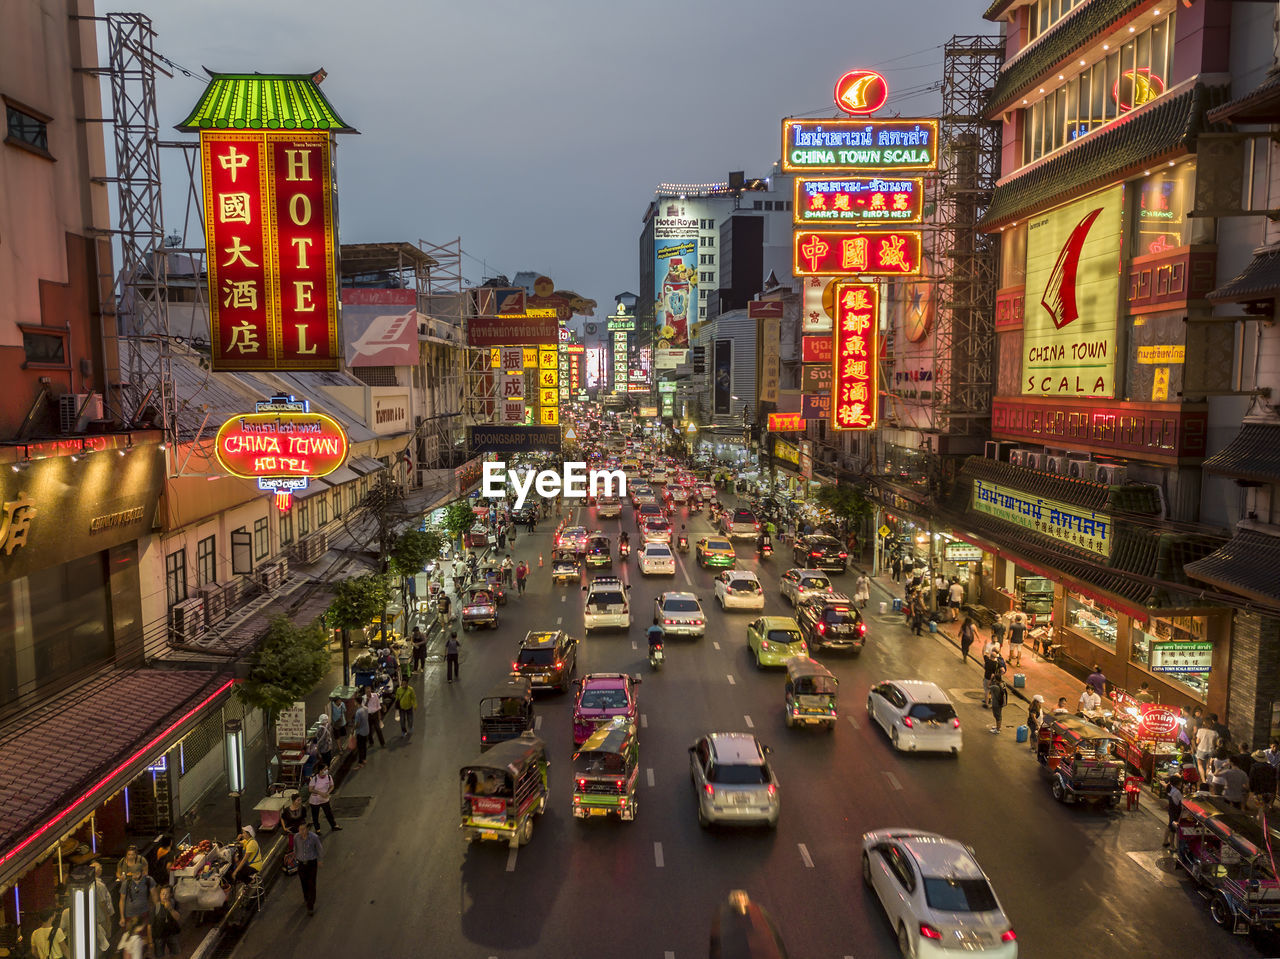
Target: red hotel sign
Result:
[[269, 231], [861, 252], [278, 445], [786, 423], [854, 343]]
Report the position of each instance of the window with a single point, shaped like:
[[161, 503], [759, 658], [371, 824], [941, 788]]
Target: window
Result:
[[702, 312], [337, 501], [27, 128], [44, 347], [707, 259], [1178, 650], [1159, 211], [706, 277], [322, 510], [1090, 620], [286, 528], [304, 518], [709, 241], [175, 577], [1042, 14], [261, 538], [207, 561]]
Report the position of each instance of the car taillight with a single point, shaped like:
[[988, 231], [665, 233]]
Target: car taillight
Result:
[[955, 722], [711, 790], [815, 554], [484, 737], [617, 783], [844, 555], [697, 622], [773, 790], [577, 801], [906, 721], [929, 932], [1008, 936], [764, 644], [668, 622], [515, 666], [559, 666], [822, 628], [862, 628], [582, 784]]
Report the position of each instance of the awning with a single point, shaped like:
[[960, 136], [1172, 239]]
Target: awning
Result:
[[1260, 280], [1259, 105], [1248, 565], [71, 754], [340, 476], [364, 465], [1254, 454], [321, 485]]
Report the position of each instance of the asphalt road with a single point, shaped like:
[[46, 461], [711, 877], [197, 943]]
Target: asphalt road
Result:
[[399, 880]]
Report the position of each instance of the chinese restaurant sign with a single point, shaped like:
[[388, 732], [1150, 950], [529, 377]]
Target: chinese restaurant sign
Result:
[[282, 444], [786, 423], [270, 236], [854, 365], [1181, 657], [845, 252], [511, 330], [848, 146], [858, 200], [1083, 529]]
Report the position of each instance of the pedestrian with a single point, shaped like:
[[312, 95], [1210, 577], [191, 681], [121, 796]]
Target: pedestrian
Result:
[[862, 590], [512, 533], [939, 591], [955, 594], [1062, 709], [309, 852], [249, 857], [1272, 754], [918, 613], [131, 866], [1089, 702], [338, 718], [997, 633], [324, 740], [133, 944], [50, 939], [502, 538], [1263, 778], [166, 925], [1235, 784], [522, 573], [373, 705], [507, 568], [361, 723], [1206, 741], [896, 566], [292, 816], [1174, 798], [320, 789], [137, 896], [968, 633], [419, 651], [106, 911], [406, 703], [1035, 716], [992, 670], [999, 696], [1098, 680], [1017, 635], [451, 656]]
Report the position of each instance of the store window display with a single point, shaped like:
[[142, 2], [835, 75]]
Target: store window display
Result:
[[1177, 650], [1091, 620]]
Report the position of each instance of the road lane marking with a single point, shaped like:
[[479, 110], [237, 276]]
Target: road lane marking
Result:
[[732, 681], [750, 724], [805, 857], [644, 720], [564, 598], [657, 854], [537, 722], [633, 645], [559, 620], [853, 721], [893, 780], [668, 955], [511, 859], [715, 644], [683, 572], [648, 775]]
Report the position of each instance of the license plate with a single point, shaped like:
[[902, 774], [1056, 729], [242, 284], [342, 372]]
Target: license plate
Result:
[[741, 799], [488, 834], [539, 679], [813, 722], [597, 811]]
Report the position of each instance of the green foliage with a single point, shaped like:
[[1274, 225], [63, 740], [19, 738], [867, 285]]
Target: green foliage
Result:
[[458, 518], [413, 549], [845, 502], [291, 661], [356, 601]]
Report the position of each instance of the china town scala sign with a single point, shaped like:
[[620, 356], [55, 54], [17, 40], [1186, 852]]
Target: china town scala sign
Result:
[[282, 445]]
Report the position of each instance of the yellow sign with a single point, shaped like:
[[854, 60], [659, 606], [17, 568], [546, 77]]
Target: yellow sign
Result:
[[1160, 385], [549, 359], [1160, 355], [541, 313], [549, 397], [550, 416], [1072, 298], [786, 452], [495, 358], [548, 378], [884, 532], [530, 357]]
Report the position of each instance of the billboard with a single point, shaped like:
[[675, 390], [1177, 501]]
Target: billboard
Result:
[[595, 366], [817, 308], [722, 377], [851, 146], [858, 201], [271, 240], [513, 439], [853, 404], [511, 330], [768, 317], [1072, 299], [815, 406], [786, 423], [675, 272], [380, 327], [845, 252], [282, 444]]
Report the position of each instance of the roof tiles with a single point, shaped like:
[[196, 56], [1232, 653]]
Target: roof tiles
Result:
[[1253, 455], [1249, 564], [1260, 280], [260, 101]]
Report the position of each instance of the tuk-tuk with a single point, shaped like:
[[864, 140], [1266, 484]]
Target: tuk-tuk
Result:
[[503, 789], [1225, 850], [479, 608], [1084, 761], [490, 576], [564, 566], [506, 712], [810, 694], [599, 552], [605, 769]]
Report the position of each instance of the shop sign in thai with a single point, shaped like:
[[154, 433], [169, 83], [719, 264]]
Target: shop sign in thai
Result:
[[623, 324], [815, 378], [282, 444], [853, 404], [1072, 298], [860, 252], [955, 552], [847, 146], [816, 349], [1181, 657], [786, 423], [786, 453], [270, 240], [1084, 529], [815, 406], [514, 330], [858, 201], [1159, 723]]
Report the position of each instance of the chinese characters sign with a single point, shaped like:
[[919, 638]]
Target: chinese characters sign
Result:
[[853, 371], [858, 200], [1181, 657], [786, 423], [1072, 525], [282, 444], [845, 252], [270, 235], [848, 146]]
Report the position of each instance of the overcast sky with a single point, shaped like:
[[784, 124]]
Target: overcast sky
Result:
[[537, 130]]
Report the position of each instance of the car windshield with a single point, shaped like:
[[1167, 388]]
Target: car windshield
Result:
[[743, 516], [933, 712], [681, 606], [835, 614], [537, 657], [602, 600], [719, 544], [659, 551], [609, 764], [739, 775], [600, 545], [815, 582], [604, 699], [787, 636], [959, 895], [745, 586]]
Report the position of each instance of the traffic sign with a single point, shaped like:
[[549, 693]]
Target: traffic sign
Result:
[[884, 532]]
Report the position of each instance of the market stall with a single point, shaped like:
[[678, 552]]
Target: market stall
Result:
[[197, 875], [1150, 733]]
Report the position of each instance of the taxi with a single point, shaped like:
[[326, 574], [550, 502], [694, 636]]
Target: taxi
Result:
[[715, 551]]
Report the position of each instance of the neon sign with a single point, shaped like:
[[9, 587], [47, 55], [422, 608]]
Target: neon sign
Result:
[[853, 146], [858, 200], [854, 344], [846, 252], [861, 92], [1136, 87], [282, 445], [786, 423]]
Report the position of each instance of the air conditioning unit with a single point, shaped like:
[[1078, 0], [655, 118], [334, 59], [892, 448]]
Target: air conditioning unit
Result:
[[71, 419], [1082, 469], [1033, 461], [233, 591], [1111, 475], [1056, 464], [186, 621], [1001, 452], [1016, 458], [215, 603], [311, 548]]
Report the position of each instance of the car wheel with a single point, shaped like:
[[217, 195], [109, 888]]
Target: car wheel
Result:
[[759, 664], [526, 832], [894, 736], [866, 870], [1220, 910], [703, 821], [1059, 793], [542, 805], [904, 941]]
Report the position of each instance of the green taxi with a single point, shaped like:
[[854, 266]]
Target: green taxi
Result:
[[775, 639], [715, 552]]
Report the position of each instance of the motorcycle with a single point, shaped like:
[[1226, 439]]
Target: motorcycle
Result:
[[656, 656], [765, 549], [682, 544], [624, 550]]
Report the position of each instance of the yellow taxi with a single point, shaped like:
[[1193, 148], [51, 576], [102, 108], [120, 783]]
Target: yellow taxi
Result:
[[715, 551]]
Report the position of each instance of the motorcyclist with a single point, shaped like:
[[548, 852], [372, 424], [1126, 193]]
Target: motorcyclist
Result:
[[763, 542], [624, 543], [655, 634], [682, 541]]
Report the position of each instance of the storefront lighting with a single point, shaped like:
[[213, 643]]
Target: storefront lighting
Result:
[[84, 921], [233, 740]]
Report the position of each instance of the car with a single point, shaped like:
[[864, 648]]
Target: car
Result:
[[572, 537], [714, 551], [820, 551], [679, 614], [656, 558], [608, 507], [797, 585], [491, 573], [647, 511], [644, 496], [601, 698], [739, 589], [658, 476], [707, 490], [916, 715], [733, 781], [656, 531], [547, 658], [607, 605], [936, 896], [775, 639], [525, 515], [479, 608], [740, 523], [677, 494], [599, 551], [832, 621]]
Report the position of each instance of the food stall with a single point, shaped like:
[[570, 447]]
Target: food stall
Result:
[[197, 875], [1150, 733]]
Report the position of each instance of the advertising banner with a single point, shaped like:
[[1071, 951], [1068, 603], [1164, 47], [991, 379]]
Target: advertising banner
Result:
[[1073, 525], [512, 330], [722, 377], [270, 239], [512, 439], [380, 327], [806, 459], [595, 364], [1181, 657], [815, 349], [282, 444], [665, 359], [854, 371], [620, 351], [786, 423], [815, 378], [851, 146], [865, 253], [858, 201], [648, 412], [768, 317], [494, 300], [817, 308], [675, 275], [815, 406], [784, 452], [1072, 300]]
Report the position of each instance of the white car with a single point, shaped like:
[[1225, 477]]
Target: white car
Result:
[[739, 589], [917, 716], [797, 585], [679, 614], [643, 495], [707, 491], [607, 507], [677, 494], [607, 606], [656, 531], [656, 558], [658, 477], [572, 537], [935, 894]]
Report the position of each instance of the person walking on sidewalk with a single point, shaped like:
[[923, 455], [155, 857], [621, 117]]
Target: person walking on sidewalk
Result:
[[419, 651], [999, 697], [292, 816], [1017, 635], [406, 703], [918, 612], [1175, 807], [896, 567], [361, 723], [1035, 716], [320, 787], [1098, 680], [451, 648], [309, 852], [968, 633], [373, 706], [862, 591], [507, 567], [955, 594], [992, 673]]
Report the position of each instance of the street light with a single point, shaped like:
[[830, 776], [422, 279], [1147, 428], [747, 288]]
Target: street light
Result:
[[84, 917], [233, 738]]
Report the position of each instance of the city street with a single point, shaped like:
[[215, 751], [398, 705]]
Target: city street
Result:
[[400, 881]]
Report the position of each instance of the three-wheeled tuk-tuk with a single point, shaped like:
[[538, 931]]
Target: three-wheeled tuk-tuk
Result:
[[479, 608], [565, 567], [506, 711], [1225, 851], [503, 789], [605, 768], [810, 694], [1083, 761]]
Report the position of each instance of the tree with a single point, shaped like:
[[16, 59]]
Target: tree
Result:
[[458, 518], [356, 601], [848, 505], [414, 549]]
